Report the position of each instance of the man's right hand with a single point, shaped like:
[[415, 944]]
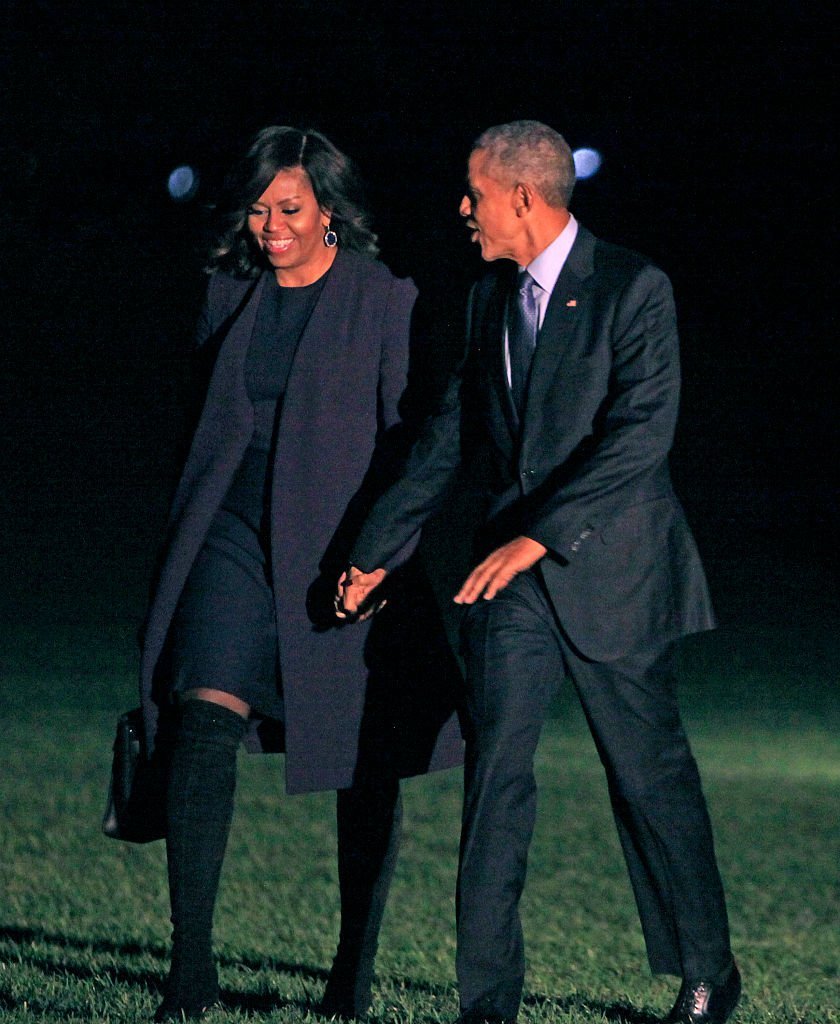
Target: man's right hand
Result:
[[354, 598]]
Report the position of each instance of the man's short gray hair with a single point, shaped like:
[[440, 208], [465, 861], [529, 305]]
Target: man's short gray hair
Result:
[[529, 152]]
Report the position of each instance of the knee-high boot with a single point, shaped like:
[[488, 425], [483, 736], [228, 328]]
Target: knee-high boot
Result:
[[369, 824], [199, 811]]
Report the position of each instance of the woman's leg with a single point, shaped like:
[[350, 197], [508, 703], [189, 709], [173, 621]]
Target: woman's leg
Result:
[[369, 816], [199, 811]]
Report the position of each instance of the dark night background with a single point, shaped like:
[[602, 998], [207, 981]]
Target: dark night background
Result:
[[712, 122]]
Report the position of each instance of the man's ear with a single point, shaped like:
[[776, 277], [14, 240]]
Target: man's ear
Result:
[[523, 199]]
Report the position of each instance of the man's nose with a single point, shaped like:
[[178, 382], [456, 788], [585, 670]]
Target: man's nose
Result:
[[465, 209]]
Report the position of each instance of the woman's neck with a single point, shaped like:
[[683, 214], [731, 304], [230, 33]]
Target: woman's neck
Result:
[[309, 273]]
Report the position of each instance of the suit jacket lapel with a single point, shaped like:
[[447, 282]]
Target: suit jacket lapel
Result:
[[561, 318], [493, 346]]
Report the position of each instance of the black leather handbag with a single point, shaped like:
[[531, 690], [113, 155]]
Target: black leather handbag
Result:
[[136, 807]]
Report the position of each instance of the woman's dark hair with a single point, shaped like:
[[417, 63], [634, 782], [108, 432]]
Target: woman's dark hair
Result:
[[334, 179]]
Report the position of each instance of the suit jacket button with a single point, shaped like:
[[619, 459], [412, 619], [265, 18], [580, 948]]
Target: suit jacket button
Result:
[[575, 545]]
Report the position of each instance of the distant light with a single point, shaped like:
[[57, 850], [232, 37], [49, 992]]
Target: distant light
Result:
[[182, 184], [587, 162]]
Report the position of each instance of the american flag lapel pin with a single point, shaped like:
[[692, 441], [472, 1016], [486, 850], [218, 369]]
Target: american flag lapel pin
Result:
[[571, 303]]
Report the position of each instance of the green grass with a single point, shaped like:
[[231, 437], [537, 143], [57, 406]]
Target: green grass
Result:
[[83, 919]]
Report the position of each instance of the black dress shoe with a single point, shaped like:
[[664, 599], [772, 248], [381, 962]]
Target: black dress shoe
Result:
[[704, 1002]]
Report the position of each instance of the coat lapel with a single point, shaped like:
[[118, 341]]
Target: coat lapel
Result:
[[226, 392], [564, 309], [227, 420], [493, 346]]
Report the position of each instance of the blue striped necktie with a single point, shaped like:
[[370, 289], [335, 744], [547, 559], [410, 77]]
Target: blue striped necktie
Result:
[[522, 337]]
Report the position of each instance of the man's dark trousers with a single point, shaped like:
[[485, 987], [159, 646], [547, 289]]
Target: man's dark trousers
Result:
[[516, 654]]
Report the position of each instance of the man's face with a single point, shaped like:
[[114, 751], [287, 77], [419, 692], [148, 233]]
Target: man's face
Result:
[[490, 211]]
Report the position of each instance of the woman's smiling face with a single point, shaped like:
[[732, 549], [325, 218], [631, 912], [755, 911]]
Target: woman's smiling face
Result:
[[288, 225]]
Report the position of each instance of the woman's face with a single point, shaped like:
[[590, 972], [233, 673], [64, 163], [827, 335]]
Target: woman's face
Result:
[[287, 225]]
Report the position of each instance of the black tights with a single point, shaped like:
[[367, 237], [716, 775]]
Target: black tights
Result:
[[199, 812]]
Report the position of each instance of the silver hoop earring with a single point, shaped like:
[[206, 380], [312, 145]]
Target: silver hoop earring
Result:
[[330, 238]]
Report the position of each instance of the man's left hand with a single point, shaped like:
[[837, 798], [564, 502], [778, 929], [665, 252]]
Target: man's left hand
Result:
[[499, 568]]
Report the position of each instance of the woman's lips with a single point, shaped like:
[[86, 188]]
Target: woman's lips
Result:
[[277, 245]]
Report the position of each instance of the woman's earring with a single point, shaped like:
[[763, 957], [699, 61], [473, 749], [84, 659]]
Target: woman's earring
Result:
[[330, 237]]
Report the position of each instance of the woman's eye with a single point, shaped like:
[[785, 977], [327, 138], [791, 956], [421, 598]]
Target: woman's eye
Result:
[[254, 212], [290, 212]]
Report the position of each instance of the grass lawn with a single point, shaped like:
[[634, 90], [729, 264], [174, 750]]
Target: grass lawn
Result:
[[83, 919]]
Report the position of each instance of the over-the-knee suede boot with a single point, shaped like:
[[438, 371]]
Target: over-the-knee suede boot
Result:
[[369, 823], [199, 810]]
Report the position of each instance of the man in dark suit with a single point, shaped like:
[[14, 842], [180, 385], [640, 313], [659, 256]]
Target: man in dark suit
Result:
[[571, 383]]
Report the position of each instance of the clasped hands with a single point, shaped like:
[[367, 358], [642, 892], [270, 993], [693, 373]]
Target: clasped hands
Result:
[[354, 596], [356, 599]]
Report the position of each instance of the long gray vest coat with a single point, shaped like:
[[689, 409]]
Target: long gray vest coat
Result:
[[383, 690]]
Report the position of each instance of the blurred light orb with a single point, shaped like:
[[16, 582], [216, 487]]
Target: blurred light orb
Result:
[[587, 162], [182, 184]]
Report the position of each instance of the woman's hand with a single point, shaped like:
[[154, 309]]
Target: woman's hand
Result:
[[354, 594]]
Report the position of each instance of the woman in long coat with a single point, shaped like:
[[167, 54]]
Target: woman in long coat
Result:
[[308, 339]]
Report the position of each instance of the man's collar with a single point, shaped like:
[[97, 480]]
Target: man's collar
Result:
[[545, 268]]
